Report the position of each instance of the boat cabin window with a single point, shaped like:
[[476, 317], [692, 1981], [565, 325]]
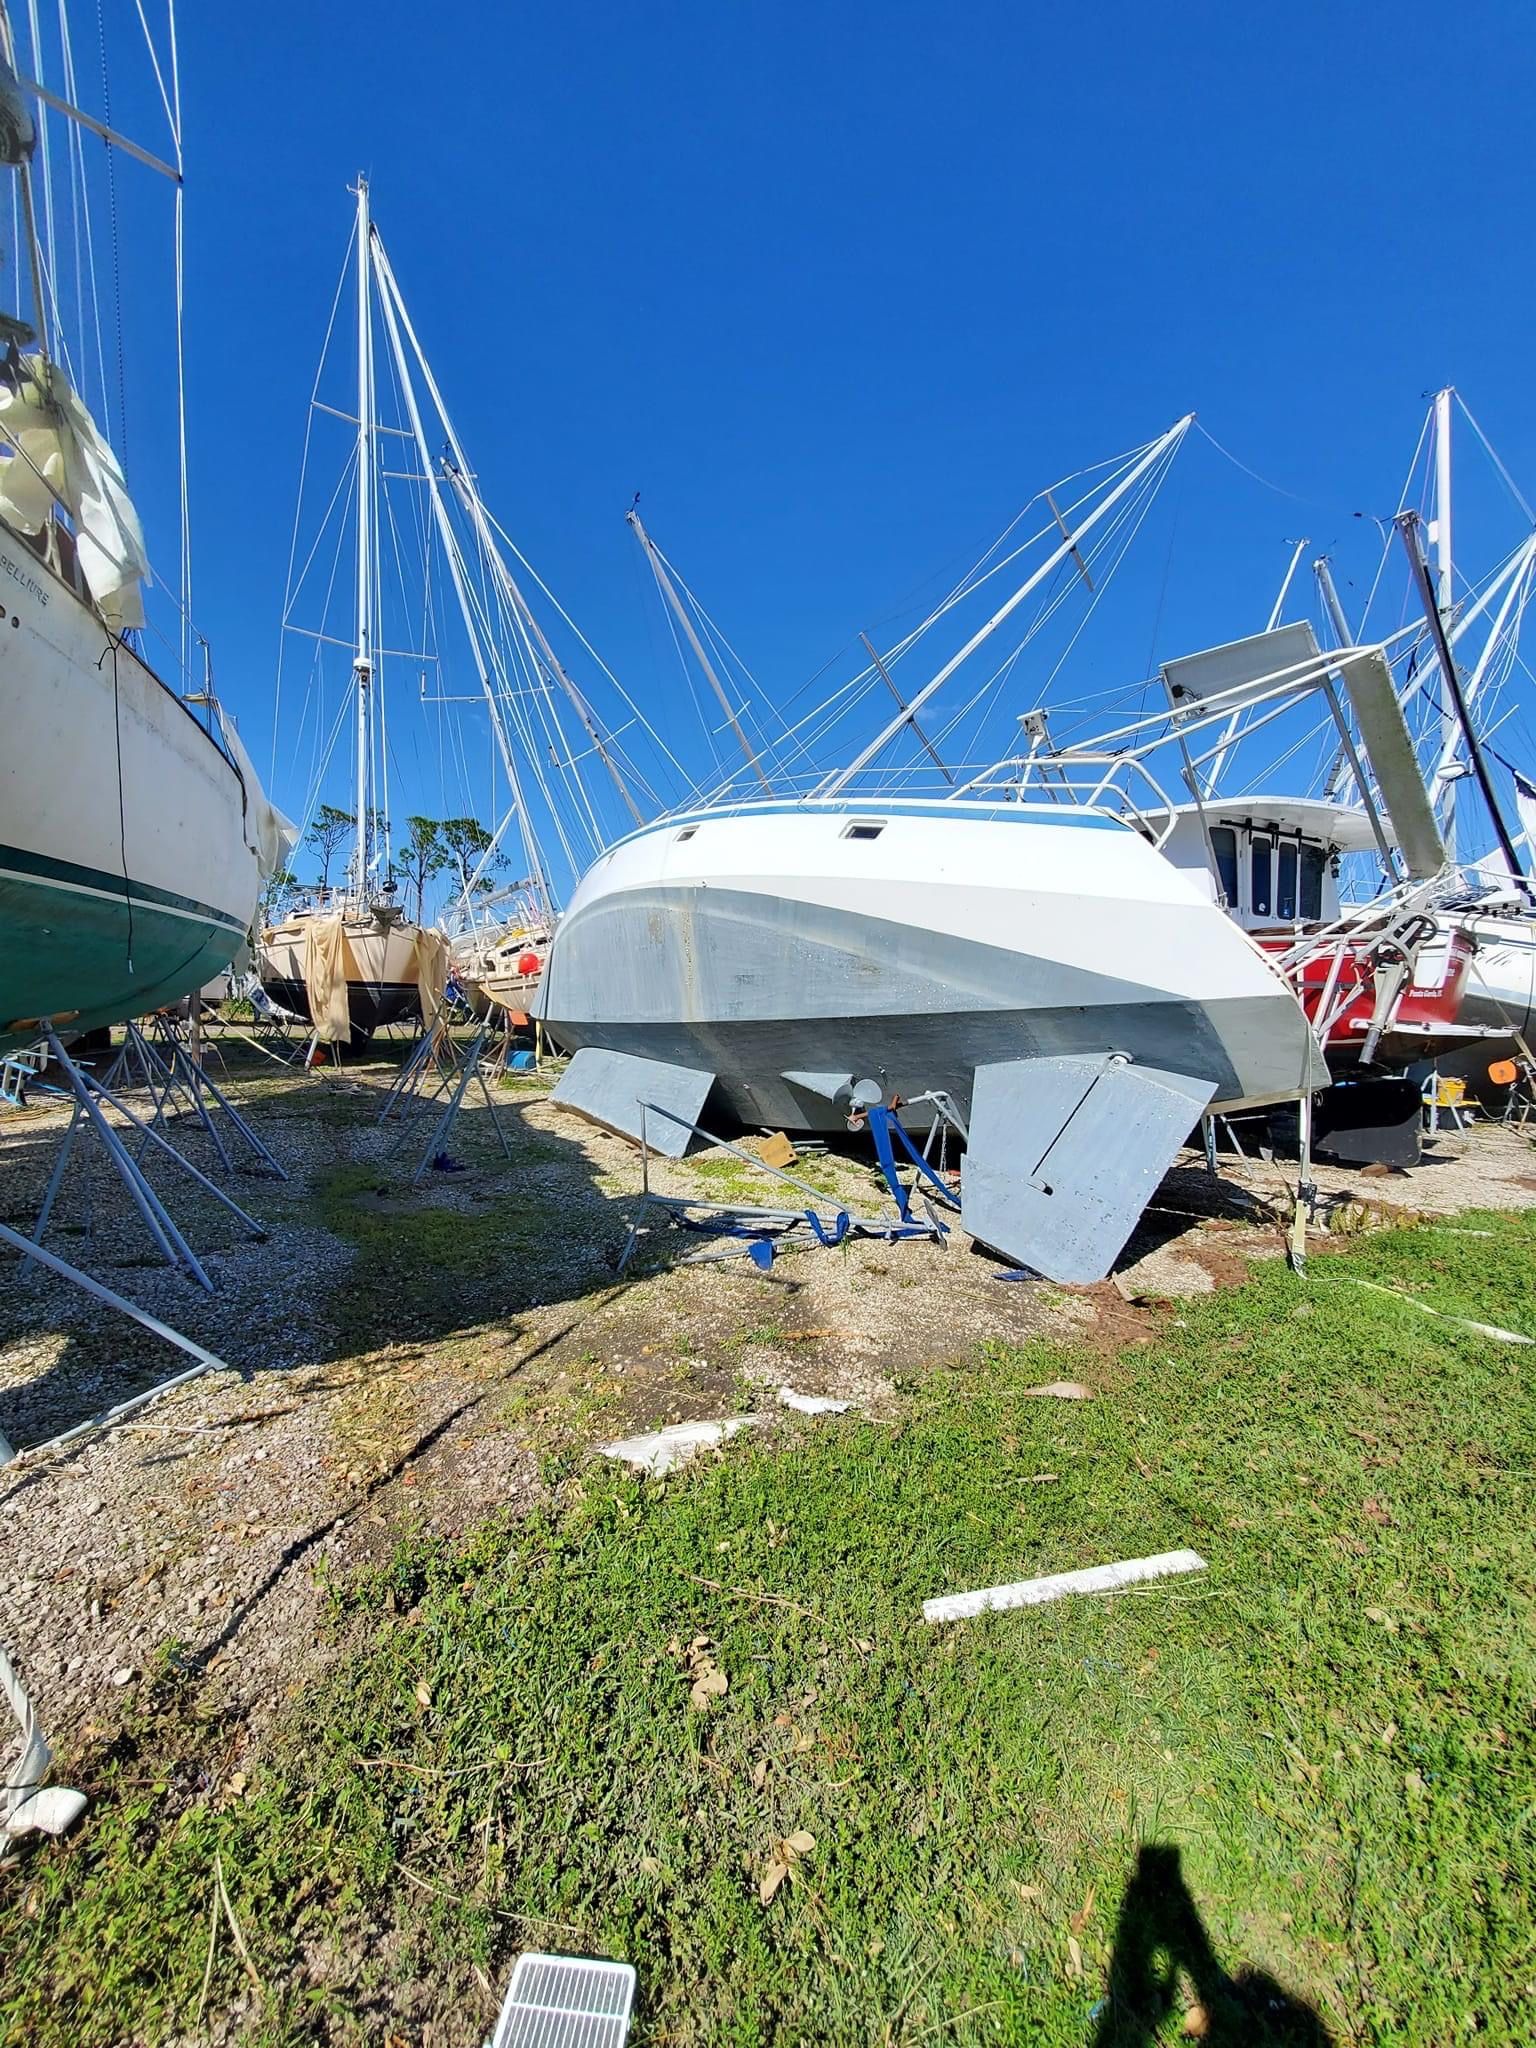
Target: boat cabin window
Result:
[[864, 828], [1312, 859], [1260, 896], [686, 833], [1224, 847], [1285, 881]]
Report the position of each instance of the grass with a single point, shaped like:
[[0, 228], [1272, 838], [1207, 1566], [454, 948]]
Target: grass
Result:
[[410, 1235], [1330, 1731]]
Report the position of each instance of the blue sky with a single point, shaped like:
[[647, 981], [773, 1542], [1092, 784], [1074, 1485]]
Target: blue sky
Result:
[[837, 288]]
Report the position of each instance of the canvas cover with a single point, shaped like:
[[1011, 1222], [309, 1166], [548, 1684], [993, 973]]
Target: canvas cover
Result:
[[325, 979], [431, 976], [268, 833], [51, 451]]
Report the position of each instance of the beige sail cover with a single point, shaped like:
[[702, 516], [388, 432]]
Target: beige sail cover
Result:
[[326, 958], [431, 976], [60, 456]]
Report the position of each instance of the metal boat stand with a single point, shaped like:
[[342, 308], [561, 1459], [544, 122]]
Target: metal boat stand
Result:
[[761, 1232], [173, 1076], [435, 1069], [92, 1098], [204, 1360], [1304, 1202]]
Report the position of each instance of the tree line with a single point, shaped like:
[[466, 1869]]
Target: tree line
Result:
[[433, 846]]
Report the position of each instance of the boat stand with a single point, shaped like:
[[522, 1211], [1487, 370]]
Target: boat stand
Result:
[[92, 1098], [454, 1068], [178, 1078], [1306, 1187], [204, 1360], [761, 1232]]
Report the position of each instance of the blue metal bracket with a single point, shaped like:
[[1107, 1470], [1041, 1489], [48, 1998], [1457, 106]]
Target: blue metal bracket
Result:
[[884, 1124]]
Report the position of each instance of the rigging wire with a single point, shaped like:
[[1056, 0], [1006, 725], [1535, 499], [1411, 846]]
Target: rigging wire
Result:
[[289, 590]]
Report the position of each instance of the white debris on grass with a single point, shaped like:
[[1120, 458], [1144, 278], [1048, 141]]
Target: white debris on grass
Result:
[[1098, 1578], [660, 1449], [1444, 1314], [25, 1801], [812, 1404]]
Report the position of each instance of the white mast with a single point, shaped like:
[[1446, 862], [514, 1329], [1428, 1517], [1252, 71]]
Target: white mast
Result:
[[362, 663], [1445, 597], [1069, 546], [1234, 723], [392, 304], [1516, 594]]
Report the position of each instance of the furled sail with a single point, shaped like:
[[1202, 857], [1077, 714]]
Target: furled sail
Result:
[[18, 136], [53, 453]]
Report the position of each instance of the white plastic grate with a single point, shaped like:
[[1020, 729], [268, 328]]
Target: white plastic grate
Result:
[[566, 2002]]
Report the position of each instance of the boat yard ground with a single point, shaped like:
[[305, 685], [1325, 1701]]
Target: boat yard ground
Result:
[[377, 1673]]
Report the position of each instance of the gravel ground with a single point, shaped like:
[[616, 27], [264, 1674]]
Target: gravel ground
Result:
[[417, 1360]]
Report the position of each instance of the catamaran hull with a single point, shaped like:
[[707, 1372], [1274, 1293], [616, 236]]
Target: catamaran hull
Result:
[[1500, 995], [125, 876], [765, 944]]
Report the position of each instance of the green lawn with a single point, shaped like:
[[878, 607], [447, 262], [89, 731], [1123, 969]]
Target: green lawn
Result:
[[1298, 1789]]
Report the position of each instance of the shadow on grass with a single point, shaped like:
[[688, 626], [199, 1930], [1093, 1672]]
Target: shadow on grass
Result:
[[1160, 1938]]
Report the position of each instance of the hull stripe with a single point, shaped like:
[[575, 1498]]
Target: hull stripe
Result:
[[18, 864]]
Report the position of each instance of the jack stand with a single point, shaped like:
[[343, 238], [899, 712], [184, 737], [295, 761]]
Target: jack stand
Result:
[[1208, 1132], [178, 1075], [762, 1231], [90, 1095], [206, 1361], [1306, 1187], [455, 1072], [412, 1077]]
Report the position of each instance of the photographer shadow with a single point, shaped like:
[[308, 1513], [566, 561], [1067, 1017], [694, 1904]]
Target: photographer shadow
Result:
[[1160, 1938]]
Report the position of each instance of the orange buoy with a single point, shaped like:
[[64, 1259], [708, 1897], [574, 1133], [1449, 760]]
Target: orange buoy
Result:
[[527, 963], [1503, 1073]]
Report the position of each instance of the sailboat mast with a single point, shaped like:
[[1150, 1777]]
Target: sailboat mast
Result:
[[1445, 596], [680, 613], [362, 662], [28, 208], [392, 307], [1407, 524]]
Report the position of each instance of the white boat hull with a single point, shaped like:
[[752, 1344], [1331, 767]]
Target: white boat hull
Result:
[[125, 876], [764, 942]]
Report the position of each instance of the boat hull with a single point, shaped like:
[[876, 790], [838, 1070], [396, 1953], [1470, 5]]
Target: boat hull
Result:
[[766, 943], [507, 994], [1498, 1002], [125, 876], [382, 987]]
